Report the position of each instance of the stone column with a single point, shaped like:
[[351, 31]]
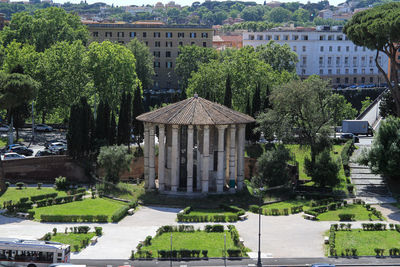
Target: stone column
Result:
[[232, 156], [199, 158], [220, 167], [146, 155], [241, 139], [174, 159], [152, 170], [161, 157], [206, 156], [189, 163]]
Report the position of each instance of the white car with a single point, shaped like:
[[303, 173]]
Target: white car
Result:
[[43, 128], [57, 147], [5, 128], [12, 155]]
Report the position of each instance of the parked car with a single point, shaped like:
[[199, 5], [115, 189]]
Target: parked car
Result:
[[23, 150], [322, 265], [42, 153], [57, 147], [13, 145], [43, 128], [5, 128], [349, 136], [12, 155], [48, 143]]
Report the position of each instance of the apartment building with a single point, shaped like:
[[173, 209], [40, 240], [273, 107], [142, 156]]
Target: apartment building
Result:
[[325, 51], [163, 41]]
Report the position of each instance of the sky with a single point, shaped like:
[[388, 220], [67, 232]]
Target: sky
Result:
[[181, 2]]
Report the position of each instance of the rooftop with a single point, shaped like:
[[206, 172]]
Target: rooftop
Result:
[[195, 111], [142, 24]]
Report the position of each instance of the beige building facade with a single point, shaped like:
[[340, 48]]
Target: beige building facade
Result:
[[163, 41]]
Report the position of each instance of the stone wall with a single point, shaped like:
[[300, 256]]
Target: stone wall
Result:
[[43, 169]]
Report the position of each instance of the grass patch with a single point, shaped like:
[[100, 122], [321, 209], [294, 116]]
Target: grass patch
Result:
[[72, 239], [288, 204], [97, 206], [366, 241], [124, 191], [360, 212], [14, 194], [3, 142], [200, 240], [211, 212]]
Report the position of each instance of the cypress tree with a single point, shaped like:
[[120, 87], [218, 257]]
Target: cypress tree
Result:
[[255, 110], [73, 131], [228, 92], [100, 122], [122, 121], [248, 112], [138, 109], [266, 103], [107, 120], [112, 133]]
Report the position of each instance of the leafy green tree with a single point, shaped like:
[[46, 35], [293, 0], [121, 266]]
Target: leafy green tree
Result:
[[114, 160], [279, 57], [324, 171], [255, 110], [301, 111], [384, 155], [378, 29], [301, 15], [387, 107], [125, 120], [365, 103], [252, 13], [189, 60], [341, 109], [44, 28], [272, 167], [138, 109], [112, 69], [144, 62], [280, 14], [228, 92]]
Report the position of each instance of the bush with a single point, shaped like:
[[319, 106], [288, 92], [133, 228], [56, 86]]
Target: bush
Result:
[[61, 183], [44, 196], [347, 216], [7, 184], [23, 199], [47, 237], [119, 214], [350, 188], [254, 208], [234, 253], [99, 231], [205, 253], [217, 228], [254, 150], [54, 231], [324, 171], [19, 185], [83, 229], [39, 185], [147, 241], [347, 150]]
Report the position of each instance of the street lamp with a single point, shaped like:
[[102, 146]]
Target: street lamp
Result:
[[259, 263]]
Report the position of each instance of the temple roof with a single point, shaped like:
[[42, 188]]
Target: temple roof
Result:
[[195, 111]]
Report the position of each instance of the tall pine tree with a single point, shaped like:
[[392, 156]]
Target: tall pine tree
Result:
[[138, 109], [112, 133], [228, 92]]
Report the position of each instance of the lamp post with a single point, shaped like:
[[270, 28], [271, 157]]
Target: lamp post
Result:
[[259, 263]]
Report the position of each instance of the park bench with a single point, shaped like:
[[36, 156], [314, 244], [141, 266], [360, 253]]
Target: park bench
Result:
[[309, 217], [243, 217], [326, 240], [241, 241], [131, 211], [23, 215], [94, 240]]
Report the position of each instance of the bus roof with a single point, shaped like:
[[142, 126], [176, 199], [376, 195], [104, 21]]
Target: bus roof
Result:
[[32, 244]]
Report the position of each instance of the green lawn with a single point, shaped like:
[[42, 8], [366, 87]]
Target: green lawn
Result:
[[124, 191], [360, 212], [210, 212], [213, 242], [366, 241], [3, 142], [14, 194], [72, 239], [98, 206], [287, 204]]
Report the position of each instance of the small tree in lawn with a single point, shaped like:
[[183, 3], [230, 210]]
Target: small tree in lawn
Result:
[[324, 171], [114, 160]]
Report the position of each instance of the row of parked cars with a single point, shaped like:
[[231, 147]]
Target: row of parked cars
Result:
[[19, 151], [38, 127]]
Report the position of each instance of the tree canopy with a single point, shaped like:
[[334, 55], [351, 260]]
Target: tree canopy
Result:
[[279, 57], [144, 62]]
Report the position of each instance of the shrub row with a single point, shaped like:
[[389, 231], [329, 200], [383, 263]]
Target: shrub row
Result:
[[171, 254], [205, 218], [214, 228], [347, 150], [374, 226], [73, 218], [343, 226], [234, 209], [44, 196], [347, 216], [174, 228], [315, 211], [119, 214], [58, 200], [19, 206]]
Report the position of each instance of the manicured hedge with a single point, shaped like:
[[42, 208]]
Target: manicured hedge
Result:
[[216, 228], [185, 215], [347, 216], [44, 196], [119, 214], [73, 218]]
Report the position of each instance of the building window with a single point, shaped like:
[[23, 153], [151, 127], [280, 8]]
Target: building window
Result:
[[330, 49], [363, 61], [355, 49], [362, 79], [269, 37], [157, 44], [347, 71], [321, 49], [259, 37], [321, 61], [329, 71], [295, 37], [346, 80], [339, 48], [303, 72], [371, 60], [337, 61], [120, 34], [339, 37], [371, 71], [354, 71], [168, 64], [204, 44], [193, 35], [108, 34], [168, 34], [180, 43], [168, 44], [168, 54], [147, 43], [121, 42], [205, 35], [322, 37], [362, 71], [346, 60], [286, 37], [156, 84], [277, 37], [144, 34], [321, 72], [355, 61], [304, 60], [355, 80], [192, 43], [95, 34], [347, 48], [156, 64], [337, 71], [330, 37], [181, 35], [304, 48], [337, 80], [132, 34], [157, 53], [294, 48], [157, 35], [371, 79], [329, 61], [304, 37]]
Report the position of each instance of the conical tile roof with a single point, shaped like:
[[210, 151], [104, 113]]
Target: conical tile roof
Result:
[[195, 111]]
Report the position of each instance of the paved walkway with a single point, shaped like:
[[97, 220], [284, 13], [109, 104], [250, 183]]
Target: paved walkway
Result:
[[282, 236]]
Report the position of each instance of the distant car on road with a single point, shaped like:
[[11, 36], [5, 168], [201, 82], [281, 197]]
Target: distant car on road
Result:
[[12, 155], [43, 128], [42, 153], [57, 147], [22, 150], [322, 265], [48, 143], [349, 136], [5, 128]]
